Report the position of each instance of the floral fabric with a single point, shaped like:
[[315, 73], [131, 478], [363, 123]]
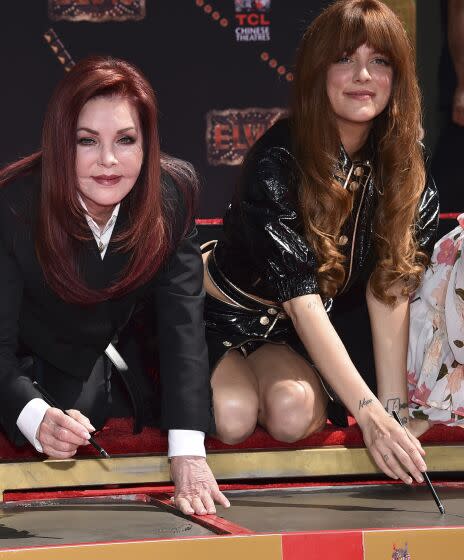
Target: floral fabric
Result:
[[436, 336]]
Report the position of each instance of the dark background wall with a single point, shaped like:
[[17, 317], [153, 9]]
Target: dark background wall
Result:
[[193, 60], [194, 64]]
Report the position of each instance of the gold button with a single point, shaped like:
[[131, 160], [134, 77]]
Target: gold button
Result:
[[272, 311], [353, 186], [359, 171], [264, 320], [342, 240], [227, 343]]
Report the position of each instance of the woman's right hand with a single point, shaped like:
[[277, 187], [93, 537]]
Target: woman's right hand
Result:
[[396, 451], [60, 435]]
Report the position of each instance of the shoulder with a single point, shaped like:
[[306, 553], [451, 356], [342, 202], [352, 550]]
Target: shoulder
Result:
[[19, 197], [178, 192], [274, 143], [270, 165]]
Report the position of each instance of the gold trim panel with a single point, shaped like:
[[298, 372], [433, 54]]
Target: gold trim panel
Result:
[[226, 548], [146, 469]]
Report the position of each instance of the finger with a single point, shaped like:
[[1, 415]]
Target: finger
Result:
[[65, 436], [50, 433], [79, 417], [208, 503], [219, 497], [64, 446], [412, 450], [377, 456], [56, 453], [390, 459], [184, 506], [198, 506], [406, 460], [416, 442], [72, 425]]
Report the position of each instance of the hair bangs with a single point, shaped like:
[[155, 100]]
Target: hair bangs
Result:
[[364, 24]]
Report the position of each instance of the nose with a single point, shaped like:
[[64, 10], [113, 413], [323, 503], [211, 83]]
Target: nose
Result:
[[361, 73], [107, 157]]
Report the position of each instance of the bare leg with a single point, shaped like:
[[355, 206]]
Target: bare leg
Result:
[[292, 400], [235, 398]]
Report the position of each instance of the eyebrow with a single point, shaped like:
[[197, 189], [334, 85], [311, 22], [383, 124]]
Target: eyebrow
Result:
[[120, 131]]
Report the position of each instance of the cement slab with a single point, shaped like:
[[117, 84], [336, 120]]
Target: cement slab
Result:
[[92, 520], [343, 507]]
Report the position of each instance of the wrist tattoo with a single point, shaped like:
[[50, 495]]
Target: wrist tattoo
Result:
[[364, 402], [395, 405]]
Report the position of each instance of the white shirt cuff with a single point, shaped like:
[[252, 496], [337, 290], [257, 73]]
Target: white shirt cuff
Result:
[[186, 442], [29, 421]]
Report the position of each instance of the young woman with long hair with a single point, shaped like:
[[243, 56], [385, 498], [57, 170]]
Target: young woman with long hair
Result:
[[95, 223], [335, 196]]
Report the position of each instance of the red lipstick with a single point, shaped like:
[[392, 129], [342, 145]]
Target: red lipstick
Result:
[[107, 180]]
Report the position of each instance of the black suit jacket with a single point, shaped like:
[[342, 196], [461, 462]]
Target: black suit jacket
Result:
[[69, 338]]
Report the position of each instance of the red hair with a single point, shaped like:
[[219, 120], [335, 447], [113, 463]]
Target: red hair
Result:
[[398, 165], [149, 235]]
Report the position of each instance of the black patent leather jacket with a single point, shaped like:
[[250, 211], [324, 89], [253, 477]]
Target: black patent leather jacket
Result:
[[264, 251]]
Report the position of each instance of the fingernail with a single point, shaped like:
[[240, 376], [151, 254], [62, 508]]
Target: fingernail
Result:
[[420, 479], [92, 429], [409, 480], [86, 435]]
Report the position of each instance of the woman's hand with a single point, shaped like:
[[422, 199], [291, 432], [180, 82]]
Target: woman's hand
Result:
[[395, 451], [60, 435], [196, 488]]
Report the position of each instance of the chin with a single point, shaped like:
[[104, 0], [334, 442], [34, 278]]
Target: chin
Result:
[[362, 118]]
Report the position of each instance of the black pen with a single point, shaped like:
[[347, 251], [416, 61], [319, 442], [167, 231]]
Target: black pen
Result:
[[424, 474], [49, 400]]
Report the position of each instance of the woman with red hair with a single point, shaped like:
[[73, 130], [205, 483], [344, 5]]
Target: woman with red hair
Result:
[[330, 201], [91, 226]]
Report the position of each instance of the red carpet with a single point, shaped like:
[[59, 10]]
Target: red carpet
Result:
[[116, 437]]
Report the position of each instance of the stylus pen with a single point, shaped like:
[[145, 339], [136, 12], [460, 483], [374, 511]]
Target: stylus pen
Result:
[[424, 474], [49, 400]]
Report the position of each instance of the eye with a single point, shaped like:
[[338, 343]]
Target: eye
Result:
[[127, 140], [85, 141], [343, 59], [383, 61]]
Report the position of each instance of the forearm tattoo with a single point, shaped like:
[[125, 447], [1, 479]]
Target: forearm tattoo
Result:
[[364, 402]]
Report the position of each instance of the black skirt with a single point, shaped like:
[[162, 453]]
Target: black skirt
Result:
[[246, 323]]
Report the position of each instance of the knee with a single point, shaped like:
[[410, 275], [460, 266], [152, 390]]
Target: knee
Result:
[[292, 412], [235, 419]]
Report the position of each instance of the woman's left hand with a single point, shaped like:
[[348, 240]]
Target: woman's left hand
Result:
[[395, 450], [196, 488]]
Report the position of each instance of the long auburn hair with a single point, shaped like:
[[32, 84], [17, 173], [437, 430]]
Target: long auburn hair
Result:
[[61, 225], [398, 162]]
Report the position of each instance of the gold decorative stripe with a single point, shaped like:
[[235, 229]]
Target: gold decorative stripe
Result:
[[314, 462], [225, 548]]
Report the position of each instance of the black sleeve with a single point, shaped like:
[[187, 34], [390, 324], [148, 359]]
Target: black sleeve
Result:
[[16, 387], [268, 207], [428, 216], [183, 355]]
